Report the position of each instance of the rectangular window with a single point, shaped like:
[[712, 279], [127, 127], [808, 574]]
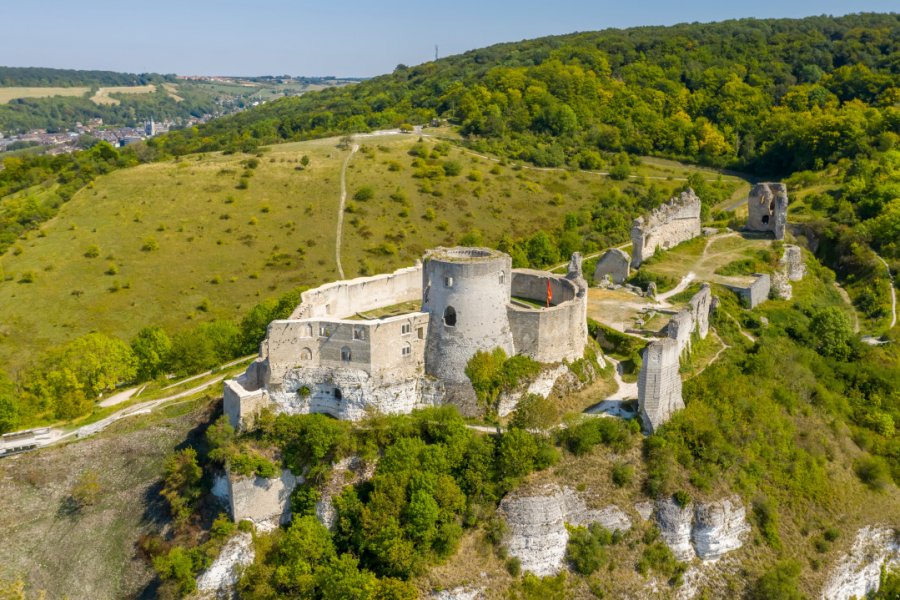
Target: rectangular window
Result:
[[421, 332], [359, 333], [448, 282], [406, 351], [405, 328], [324, 331]]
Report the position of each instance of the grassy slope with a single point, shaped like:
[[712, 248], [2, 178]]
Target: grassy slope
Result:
[[91, 554], [204, 255]]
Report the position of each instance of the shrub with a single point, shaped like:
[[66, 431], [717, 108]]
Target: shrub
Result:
[[779, 583], [873, 471], [149, 245], [514, 566], [364, 193], [622, 474], [87, 489], [181, 483], [92, 251], [585, 550]]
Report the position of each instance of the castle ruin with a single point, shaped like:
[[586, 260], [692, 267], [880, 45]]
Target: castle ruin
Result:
[[659, 383], [613, 264], [395, 342], [767, 208], [674, 222]]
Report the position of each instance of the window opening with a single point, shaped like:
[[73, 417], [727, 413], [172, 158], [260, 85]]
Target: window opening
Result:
[[345, 354], [450, 316]]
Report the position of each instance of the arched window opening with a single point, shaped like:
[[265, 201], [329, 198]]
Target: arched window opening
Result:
[[406, 350], [345, 354], [309, 330], [337, 394], [306, 354], [450, 316]]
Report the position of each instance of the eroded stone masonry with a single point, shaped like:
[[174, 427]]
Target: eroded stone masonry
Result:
[[767, 208], [674, 222], [392, 343]]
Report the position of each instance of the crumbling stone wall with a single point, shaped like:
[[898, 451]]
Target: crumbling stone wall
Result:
[[614, 263], [659, 383], [680, 328], [701, 303], [669, 225], [767, 208], [792, 263], [341, 299], [551, 334], [758, 290]]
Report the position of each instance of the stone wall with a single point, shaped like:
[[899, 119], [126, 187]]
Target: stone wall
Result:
[[680, 328], [341, 299], [757, 292], [615, 263], [669, 225], [701, 303], [767, 208], [549, 334], [659, 383]]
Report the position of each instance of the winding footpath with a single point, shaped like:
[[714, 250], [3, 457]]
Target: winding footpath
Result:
[[340, 218], [893, 292]]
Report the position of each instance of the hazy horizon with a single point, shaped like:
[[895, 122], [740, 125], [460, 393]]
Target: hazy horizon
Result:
[[348, 39]]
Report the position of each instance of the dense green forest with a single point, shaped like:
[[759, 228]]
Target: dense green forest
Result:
[[45, 77]]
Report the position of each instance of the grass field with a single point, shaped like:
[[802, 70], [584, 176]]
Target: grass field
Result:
[[12, 93], [102, 95], [235, 247]]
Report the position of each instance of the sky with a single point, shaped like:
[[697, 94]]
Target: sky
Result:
[[328, 37]]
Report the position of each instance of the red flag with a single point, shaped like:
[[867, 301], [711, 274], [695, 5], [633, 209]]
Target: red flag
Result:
[[549, 293]]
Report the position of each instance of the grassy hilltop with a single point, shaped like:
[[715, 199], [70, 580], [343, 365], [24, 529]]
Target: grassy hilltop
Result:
[[178, 241]]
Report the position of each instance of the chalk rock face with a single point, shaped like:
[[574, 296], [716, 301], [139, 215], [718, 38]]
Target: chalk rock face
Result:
[[719, 527], [219, 579], [615, 264], [458, 593], [858, 572], [675, 527], [348, 471], [266, 502], [792, 262], [537, 520], [781, 287], [542, 385], [644, 509]]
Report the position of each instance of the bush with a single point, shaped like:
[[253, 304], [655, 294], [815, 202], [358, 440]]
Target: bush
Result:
[[585, 549], [150, 245], [514, 566], [364, 193], [622, 474], [779, 583], [873, 471]]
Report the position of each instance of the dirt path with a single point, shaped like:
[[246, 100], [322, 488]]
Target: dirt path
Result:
[[682, 285], [340, 219], [846, 298], [893, 292]]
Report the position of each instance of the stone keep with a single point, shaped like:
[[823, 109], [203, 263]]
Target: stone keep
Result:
[[614, 263], [465, 293], [767, 208], [672, 223], [659, 383]]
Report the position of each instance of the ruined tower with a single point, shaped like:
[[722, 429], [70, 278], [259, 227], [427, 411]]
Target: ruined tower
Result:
[[767, 208], [465, 292], [659, 383]]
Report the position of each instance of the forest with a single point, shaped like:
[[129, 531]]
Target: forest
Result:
[[45, 77]]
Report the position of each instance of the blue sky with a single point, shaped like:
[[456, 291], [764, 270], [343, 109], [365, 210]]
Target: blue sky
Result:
[[327, 37]]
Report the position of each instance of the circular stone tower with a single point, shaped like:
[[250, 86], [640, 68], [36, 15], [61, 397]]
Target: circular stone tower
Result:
[[466, 292]]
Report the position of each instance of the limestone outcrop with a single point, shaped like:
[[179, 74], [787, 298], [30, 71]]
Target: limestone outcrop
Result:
[[767, 208], [265, 502], [707, 530], [536, 520], [659, 383], [348, 471], [674, 523], [219, 580], [858, 572], [719, 527], [674, 222], [615, 264]]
